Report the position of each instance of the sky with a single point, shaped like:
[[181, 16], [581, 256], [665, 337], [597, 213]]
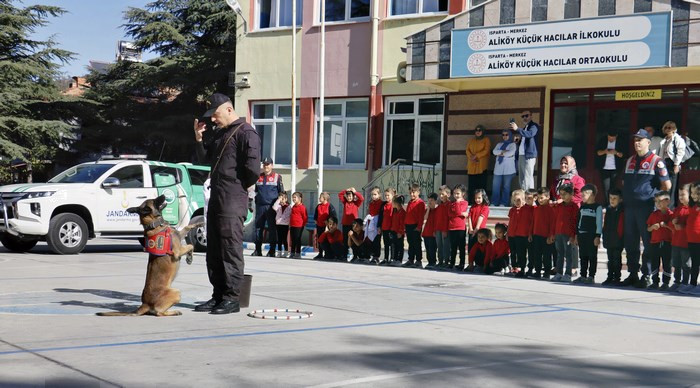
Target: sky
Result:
[[90, 29]]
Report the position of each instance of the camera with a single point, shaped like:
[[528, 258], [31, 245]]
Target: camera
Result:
[[512, 120]]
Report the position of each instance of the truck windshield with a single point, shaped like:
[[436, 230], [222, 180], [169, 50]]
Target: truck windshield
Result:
[[82, 173]]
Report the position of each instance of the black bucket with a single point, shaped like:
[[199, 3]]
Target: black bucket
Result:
[[244, 296]]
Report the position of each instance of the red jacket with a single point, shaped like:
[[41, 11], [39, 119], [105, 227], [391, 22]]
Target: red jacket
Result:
[[565, 219], [442, 221], [663, 233], [520, 224], [478, 210], [387, 210], [299, 216], [429, 229], [350, 208], [680, 238], [332, 238], [375, 207], [415, 213], [576, 181], [501, 248], [486, 249], [692, 225], [322, 213], [398, 222], [457, 219], [543, 218]]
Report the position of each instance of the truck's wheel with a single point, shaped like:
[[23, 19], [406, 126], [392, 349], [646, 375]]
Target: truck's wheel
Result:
[[16, 244], [198, 235], [68, 234]]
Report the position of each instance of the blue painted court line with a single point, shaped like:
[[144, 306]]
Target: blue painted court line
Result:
[[273, 332]]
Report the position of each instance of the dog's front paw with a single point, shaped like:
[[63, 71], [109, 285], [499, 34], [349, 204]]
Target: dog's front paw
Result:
[[188, 259]]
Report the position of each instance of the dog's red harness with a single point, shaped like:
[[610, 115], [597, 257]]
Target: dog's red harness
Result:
[[160, 244]]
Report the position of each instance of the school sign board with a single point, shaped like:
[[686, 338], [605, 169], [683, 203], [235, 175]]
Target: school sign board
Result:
[[604, 43]]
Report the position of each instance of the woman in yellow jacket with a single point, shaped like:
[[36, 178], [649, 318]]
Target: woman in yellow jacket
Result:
[[478, 154]]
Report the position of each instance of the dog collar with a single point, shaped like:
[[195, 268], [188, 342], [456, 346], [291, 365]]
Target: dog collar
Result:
[[155, 224]]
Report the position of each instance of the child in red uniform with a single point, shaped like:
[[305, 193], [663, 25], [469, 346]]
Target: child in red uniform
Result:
[[519, 231], [360, 245], [351, 200], [387, 210], [297, 221], [442, 236], [398, 229], [566, 214], [659, 224], [498, 261], [481, 252], [415, 214], [373, 223], [458, 227], [478, 216], [530, 201], [429, 231], [331, 241], [542, 246], [324, 209], [680, 256], [692, 229]]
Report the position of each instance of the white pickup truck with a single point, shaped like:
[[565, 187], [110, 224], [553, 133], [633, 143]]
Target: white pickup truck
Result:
[[90, 200]]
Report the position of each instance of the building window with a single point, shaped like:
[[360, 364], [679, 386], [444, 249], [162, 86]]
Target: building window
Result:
[[570, 137], [342, 10], [508, 11], [606, 7], [642, 6], [539, 10], [412, 7], [572, 9], [273, 121], [414, 129], [277, 13], [344, 132]]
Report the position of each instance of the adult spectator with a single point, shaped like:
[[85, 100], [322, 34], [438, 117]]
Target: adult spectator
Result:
[[504, 169], [267, 190], [527, 151], [478, 151], [672, 151], [234, 154], [644, 175], [609, 161], [655, 140], [568, 175]]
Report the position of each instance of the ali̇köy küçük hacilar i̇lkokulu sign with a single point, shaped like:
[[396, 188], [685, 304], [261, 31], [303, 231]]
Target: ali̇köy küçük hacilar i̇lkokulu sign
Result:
[[605, 43]]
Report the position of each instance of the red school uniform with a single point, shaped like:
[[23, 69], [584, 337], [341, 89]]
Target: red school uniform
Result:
[[543, 217], [387, 211], [457, 220], [442, 219], [663, 233], [501, 248], [350, 208], [322, 213], [680, 239], [398, 222], [336, 237], [566, 215], [520, 221], [430, 223], [415, 213], [299, 216], [692, 225], [375, 207], [478, 210], [486, 248]]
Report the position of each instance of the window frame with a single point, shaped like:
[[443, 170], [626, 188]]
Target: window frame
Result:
[[420, 12], [258, 7], [417, 119], [348, 13], [272, 122], [345, 120]]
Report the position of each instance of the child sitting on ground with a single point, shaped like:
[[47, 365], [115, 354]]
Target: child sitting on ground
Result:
[[358, 243], [331, 241], [498, 262], [482, 252]]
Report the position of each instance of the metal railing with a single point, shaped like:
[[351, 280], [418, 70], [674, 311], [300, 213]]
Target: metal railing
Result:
[[400, 175]]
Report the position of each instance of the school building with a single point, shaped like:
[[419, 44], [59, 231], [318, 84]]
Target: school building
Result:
[[410, 79]]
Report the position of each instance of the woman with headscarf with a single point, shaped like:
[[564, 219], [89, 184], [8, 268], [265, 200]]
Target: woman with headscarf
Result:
[[567, 175], [478, 151], [504, 169]]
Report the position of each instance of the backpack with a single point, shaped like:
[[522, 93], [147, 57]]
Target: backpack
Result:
[[691, 148]]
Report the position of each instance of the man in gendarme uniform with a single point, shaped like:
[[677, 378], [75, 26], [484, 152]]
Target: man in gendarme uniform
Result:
[[645, 174]]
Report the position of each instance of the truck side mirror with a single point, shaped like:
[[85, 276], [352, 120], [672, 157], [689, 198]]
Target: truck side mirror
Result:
[[111, 182]]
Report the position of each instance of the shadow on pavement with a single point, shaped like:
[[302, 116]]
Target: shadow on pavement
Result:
[[118, 306]]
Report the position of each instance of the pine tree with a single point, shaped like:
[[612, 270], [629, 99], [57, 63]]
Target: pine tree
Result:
[[149, 107], [32, 112]]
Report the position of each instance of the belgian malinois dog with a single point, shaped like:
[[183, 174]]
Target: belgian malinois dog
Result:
[[165, 248]]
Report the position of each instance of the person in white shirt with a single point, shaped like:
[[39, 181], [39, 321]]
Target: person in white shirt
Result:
[[672, 151], [655, 140], [504, 169], [609, 160]]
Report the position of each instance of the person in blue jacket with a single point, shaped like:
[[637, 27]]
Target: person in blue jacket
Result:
[[527, 150], [267, 190]]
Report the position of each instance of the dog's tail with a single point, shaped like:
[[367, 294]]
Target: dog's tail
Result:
[[190, 227], [143, 309]]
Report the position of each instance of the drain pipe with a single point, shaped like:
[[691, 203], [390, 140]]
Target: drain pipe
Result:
[[374, 81]]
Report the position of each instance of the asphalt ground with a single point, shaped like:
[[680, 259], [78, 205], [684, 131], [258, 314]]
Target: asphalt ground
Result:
[[371, 326]]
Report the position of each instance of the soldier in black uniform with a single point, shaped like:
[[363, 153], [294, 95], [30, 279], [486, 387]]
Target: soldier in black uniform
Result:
[[234, 155]]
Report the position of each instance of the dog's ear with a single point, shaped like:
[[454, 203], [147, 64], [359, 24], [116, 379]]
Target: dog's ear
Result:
[[160, 202], [132, 210]]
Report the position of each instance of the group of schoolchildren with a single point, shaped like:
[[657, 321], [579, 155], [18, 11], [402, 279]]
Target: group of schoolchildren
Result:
[[543, 239]]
